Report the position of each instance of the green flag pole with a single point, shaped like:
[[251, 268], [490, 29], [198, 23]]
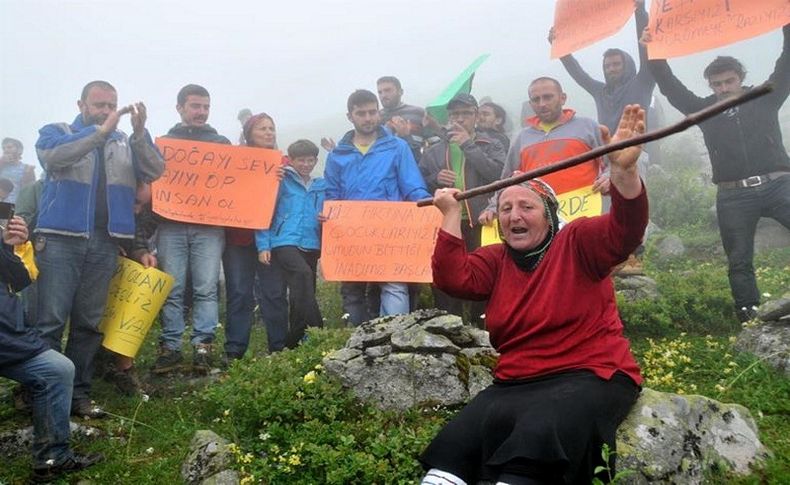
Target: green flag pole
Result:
[[461, 84]]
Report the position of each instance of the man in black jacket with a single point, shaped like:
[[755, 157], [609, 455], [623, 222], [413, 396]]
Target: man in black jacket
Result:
[[750, 164], [465, 159], [25, 358], [190, 252]]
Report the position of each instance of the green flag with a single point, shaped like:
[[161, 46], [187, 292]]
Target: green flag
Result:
[[461, 84]]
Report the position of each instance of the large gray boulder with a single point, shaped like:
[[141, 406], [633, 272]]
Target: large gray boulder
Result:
[[669, 247], [775, 310], [209, 461], [425, 357], [636, 287], [674, 439], [770, 339]]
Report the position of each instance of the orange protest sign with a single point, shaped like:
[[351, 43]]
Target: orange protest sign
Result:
[[682, 27], [219, 185], [579, 23], [378, 241]]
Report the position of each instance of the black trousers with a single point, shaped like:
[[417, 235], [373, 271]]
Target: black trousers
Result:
[[299, 269]]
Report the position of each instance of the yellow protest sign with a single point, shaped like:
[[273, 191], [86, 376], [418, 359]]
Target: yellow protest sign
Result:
[[134, 298], [682, 27], [490, 234], [581, 202], [378, 241]]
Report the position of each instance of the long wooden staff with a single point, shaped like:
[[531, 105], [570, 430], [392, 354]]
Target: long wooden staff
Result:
[[688, 121]]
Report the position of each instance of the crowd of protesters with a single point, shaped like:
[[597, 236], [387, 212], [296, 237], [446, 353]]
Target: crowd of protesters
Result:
[[93, 203]]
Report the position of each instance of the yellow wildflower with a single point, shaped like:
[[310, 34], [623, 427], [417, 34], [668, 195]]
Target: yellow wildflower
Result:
[[309, 378]]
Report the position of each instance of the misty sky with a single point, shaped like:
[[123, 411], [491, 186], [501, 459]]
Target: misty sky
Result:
[[297, 60]]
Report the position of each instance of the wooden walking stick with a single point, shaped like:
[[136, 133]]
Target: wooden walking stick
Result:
[[687, 122]]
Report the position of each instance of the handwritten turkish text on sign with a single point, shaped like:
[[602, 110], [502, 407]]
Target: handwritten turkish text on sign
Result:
[[682, 27], [581, 202], [378, 241], [215, 184], [579, 23], [134, 298]]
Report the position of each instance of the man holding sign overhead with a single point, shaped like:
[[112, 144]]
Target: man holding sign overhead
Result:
[[370, 163], [623, 83], [750, 164]]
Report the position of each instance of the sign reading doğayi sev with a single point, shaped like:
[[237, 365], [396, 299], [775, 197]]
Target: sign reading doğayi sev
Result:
[[378, 241], [682, 27], [134, 298], [579, 23], [215, 184]]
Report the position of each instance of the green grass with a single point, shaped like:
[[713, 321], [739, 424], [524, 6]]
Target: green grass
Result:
[[351, 443]]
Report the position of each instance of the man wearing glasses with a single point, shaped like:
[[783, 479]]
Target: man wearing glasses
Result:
[[464, 159]]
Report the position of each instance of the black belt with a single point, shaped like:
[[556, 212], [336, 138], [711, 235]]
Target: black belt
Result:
[[752, 181]]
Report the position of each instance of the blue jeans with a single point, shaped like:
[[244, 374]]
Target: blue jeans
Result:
[[241, 266], [196, 249], [72, 285], [49, 377], [738, 211], [394, 300]]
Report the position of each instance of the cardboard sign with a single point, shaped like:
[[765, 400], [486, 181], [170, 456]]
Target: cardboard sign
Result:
[[378, 241], [215, 184], [581, 202], [490, 234], [579, 23], [682, 27], [134, 298]]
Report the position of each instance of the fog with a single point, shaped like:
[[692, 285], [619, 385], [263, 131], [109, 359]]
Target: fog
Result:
[[296, 60]]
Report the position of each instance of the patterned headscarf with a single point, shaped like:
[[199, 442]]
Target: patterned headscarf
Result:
[[528, 260]]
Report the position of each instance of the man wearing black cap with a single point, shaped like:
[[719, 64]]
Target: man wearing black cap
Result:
[[464, 159]]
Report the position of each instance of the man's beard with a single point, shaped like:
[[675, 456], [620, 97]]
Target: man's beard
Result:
[[95, 120]]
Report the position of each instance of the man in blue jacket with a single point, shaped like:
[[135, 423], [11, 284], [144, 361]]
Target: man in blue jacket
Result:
[[370, 163], [87, 206], [27, 359]]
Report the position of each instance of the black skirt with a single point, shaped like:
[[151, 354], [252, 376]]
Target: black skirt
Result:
[[550, 429]]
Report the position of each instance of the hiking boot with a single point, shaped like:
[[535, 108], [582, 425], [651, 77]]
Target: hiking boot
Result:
[[86, 409], [23, 400], [631, 267], [74, 463], [201, 358], [746, 313], [125, 381], [167, 361]]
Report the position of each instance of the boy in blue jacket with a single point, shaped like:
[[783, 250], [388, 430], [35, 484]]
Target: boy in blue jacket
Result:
[[293, 240]]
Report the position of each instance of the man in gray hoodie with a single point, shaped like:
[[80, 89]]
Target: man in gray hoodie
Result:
[[623, 83]]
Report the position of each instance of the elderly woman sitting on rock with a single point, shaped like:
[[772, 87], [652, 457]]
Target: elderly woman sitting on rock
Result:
[[565, 377]]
